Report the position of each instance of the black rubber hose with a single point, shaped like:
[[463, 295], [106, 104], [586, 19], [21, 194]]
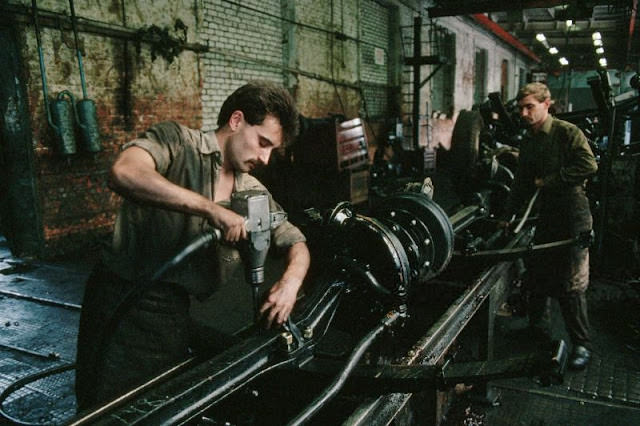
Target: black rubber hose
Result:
[[196, 244], [26, 380]]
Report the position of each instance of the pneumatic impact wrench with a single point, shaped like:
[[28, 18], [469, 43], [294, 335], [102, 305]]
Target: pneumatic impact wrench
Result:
[[253, 205]]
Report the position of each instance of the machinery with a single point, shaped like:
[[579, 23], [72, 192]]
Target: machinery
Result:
[[358, 342]]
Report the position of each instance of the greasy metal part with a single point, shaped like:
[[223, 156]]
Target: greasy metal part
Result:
[[89, 418], [549, 365], [437, 229], [583, 240], [387, 255], [350, 365], [207, 383], [430, 348], [41, 300], [527, 212], [380, 249], [465, 217]]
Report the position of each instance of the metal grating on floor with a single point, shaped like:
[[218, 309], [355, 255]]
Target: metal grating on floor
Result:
[[530, 408], [40, 329], [608, 379], [47, 401]]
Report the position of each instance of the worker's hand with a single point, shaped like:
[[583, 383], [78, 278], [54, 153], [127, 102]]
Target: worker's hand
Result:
[[229, 222], [279, 302], [538, 182]]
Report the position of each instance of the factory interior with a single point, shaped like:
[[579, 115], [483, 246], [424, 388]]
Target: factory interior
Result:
[[417, 305]]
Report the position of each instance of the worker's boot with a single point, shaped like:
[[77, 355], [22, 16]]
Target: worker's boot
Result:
[[579, 358]]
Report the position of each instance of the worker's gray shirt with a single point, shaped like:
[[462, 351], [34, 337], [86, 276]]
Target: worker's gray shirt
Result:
[[146, 237]]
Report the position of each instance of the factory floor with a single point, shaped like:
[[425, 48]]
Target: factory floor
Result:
[[40, 307]]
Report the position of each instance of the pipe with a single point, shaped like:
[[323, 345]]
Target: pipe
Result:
[[352, 362], [43, 73], [79, 54], [41, 300]]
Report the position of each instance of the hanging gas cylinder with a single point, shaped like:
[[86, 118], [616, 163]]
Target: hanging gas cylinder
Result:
[[62, 123], [88, 122]]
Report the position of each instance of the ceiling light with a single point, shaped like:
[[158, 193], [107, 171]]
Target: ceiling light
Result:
[[540, 37], [596, 36], [569, 22], [563, 61], [600, 50], [597, 42], [553, 50], [603, 62]]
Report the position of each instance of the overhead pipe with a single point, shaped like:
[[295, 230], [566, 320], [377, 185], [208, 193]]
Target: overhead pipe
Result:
[[85, 109]]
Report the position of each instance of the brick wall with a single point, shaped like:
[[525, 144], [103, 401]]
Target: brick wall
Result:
[[245, 40], [131, 91]]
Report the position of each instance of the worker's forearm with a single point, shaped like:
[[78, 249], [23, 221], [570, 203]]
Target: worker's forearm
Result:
[[133, 175], [152, 188], [298, 260]]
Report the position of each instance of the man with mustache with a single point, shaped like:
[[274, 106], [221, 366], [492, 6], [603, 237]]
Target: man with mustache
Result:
[[174, 180], [555, 158]]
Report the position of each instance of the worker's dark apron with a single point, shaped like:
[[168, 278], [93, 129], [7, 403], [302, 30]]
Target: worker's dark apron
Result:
[[563, 214], [119, 328], [154, 327]]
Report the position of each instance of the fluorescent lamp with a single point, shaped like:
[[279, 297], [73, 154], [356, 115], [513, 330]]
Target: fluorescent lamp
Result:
[[540, 37], [600, 50], [603, 62], [553, 50], [596, 36], [569, 22], [563, 61], [597, 42]]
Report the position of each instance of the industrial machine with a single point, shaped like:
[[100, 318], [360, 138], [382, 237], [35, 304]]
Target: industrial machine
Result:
[[372, 329]]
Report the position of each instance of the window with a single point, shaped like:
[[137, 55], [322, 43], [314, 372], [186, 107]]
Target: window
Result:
[[480, 81]]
